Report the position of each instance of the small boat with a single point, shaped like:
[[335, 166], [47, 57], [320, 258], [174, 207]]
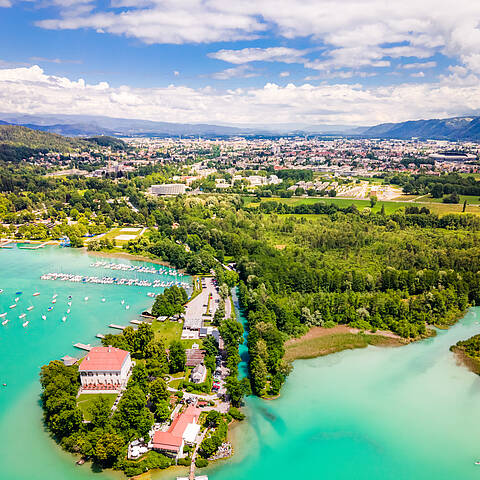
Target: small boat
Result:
[[1, 290], [69, 304], [23, 315], [127, 307], [69, 297], [17, 299], [122, 302], [54, 301], [3, 314], [24, 324], [55, 296], [50, 309], [18, 293], [44, 317], [36, 294], [5, 321], [31, 307], [477, 462], [86, 299], [103, 299], [13, 306], [64, 319], [68, 311]]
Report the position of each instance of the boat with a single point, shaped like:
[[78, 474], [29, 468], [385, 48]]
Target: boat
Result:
[[86, 299], [36, 294], [54, 301], [17, 299], [69, 297], [18, 293], [63, 319], [55, 296], [69, 304], [1, 290], [5, 321], [31, 307], [23, 315], [103, 299], [127, 307], [68, 311], [3, 314], [24, 324], [13, 306], [122, 302], [50, 309], [477, 463], [44, 317]]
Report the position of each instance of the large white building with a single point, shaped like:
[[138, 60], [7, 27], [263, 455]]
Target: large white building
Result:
[[105, 368], [168, 189]]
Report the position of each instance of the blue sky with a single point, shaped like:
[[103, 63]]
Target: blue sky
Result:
[[219, 61]]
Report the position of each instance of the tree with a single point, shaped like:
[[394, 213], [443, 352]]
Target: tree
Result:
[[373, 201], [178, 357], [162, 412], [139, 377], [108, 448], [213, 418], [158, 391], [100, 412]]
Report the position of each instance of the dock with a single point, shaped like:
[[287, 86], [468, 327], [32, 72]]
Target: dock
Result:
[[82, 346], [36, 247], [118, 327], [100, 335], [6, 244], [137, 322]]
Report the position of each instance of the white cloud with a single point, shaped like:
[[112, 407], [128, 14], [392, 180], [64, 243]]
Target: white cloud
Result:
[[5, 3], [272, 54], [31, 90], [242, 71], [284, 74], [357, 33], [420, 65], [53, 60], [176, 73], [418, 75]]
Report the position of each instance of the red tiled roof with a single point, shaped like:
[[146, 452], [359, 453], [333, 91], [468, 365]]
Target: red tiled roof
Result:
[[104, 359]]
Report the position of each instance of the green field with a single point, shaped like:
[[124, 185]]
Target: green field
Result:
[[390, 206], [85, 400], [115, 232], [471, 199], [169, 331]]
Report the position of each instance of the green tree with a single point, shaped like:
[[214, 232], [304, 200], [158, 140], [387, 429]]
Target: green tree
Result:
[[178, 357]]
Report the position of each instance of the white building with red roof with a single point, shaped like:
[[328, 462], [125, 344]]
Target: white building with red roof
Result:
[[105, 368], [184, 429]]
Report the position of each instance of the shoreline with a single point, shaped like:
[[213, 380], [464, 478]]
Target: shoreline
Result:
[[129, 256], [464, 360]]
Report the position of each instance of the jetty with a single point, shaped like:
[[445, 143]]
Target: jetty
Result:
[[137, 322], [6, 244], [100, 335], [83, 346], [35, 247], [118, 327]]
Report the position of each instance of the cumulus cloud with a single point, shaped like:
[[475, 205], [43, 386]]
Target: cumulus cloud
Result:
[[284, 74], [416, 65], [32, 90], [272, 54], [359, 33], [5, 3], [242, 71]]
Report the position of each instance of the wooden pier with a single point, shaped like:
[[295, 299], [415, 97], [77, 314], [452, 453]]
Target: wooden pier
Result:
[[82, 346], [118, 327], [6, 244], [100, 335], [36, 247], [137, 322]]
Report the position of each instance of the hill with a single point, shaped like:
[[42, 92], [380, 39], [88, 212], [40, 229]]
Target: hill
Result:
[[17, 136], [455, 128]]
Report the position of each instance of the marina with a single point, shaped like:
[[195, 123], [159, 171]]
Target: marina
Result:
[[136, 268]]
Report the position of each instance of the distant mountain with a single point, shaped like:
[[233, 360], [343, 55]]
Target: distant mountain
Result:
[[455, 128]]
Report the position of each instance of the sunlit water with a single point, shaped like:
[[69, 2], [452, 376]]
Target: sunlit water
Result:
[[375, 413]]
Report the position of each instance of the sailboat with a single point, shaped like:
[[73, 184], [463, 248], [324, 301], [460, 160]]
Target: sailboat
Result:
[[127, 307], [86, 299], [44, 317], [30, 308], [24, 324], [5, 321], [23, 315], [36, 294], [64, 319], [3, 314], [68, 311]]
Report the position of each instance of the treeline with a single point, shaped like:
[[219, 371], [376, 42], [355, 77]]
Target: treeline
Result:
[[170, 302]]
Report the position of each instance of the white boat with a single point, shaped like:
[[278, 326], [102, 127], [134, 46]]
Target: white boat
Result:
[[54, 301], [17, 299], [55, 296], [64, 319], [1, 290], [44, 317], [103, 299], [24, 324], [122, 302], [13, 306], [86, 299], [127, 307], [36, 294], [30, 308], [5, 321], [69, 304], [23, 315], [68, 311], [3, 314]]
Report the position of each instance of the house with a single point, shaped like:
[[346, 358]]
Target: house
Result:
[[183, 430], [199, 373], [195, 356], [105, 368]]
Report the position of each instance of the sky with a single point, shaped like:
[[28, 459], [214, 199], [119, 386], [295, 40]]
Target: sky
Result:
[[242, 62]]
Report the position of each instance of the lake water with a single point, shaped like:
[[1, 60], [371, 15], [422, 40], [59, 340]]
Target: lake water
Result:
[[27, 452], [376, 413]]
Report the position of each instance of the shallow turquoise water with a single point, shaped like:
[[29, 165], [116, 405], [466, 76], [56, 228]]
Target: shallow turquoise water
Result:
[[26, 452], [376, 413]]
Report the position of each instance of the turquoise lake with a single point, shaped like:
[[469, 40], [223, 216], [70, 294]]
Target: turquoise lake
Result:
[[375, 413]]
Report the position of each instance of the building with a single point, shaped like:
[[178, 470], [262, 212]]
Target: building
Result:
[[195, 356], [183, 430], [105, 368], [168, 189], [199, 373]]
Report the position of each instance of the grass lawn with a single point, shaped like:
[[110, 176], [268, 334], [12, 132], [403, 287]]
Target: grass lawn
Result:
[[86, 399], [471, 199], [115, 232], [168, 331]]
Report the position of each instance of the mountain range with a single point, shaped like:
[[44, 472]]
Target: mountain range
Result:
[[455, 128]]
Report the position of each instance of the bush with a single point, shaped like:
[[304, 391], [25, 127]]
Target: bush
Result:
[[236, 413], [185, 462], [201, 462]]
